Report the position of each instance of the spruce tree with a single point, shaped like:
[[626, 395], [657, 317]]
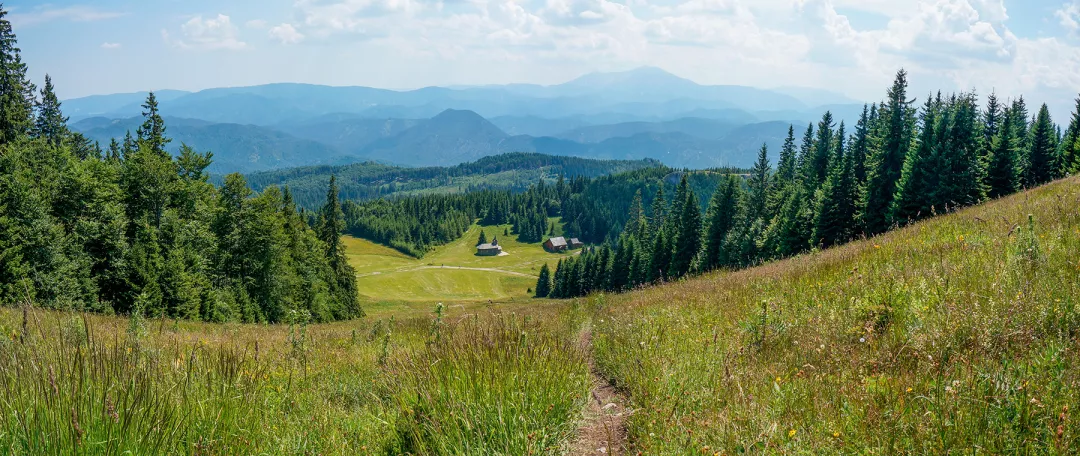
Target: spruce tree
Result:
[[51, 124], [1041, 157], [152, 131], [992, 119], [1002, 177], [482, 239], [543, 283], [912, 198], [656, 212], [16, 91], [860, 147], [720, 218], [887, 158], [835, 212], [759, 185], [819, 165], [688, 240], [1069, 156], [785, 168]]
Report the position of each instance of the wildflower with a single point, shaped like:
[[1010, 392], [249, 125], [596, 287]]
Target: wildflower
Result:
[[862, 340], [909, 389], [877, 246], [777, 379], [836, 435], [791, 433]]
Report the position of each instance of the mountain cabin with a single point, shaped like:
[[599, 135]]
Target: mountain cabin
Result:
[[556, 244], [576, 244], [492, 249]]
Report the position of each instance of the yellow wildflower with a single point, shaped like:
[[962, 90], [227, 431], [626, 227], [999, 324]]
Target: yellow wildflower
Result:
[[836, 435], [791, 433]]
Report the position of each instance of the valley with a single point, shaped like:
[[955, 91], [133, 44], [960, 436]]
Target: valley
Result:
[[392, 283]]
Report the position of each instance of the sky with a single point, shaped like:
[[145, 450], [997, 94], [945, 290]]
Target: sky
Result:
[[854, 47]]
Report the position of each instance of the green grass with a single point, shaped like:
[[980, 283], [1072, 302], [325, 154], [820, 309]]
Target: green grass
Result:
[[957, 335], [393, 283], [449, 384]]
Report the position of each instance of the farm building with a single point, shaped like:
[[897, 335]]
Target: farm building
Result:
[[576, 244], [492, 249], [556, 244]]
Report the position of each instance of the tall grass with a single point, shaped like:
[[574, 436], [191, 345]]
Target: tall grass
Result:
[[81, 384], [958, 335]]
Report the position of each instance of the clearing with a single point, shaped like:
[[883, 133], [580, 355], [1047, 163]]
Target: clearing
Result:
[[391, 282]]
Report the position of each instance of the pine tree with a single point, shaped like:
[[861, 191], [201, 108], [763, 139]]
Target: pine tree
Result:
[[656, 213], [688, 240], [836, 207], [785, 168], [1041, 158], [331, 221], [721, 218], [992, 119], [51, 124], [1069, 157], [482, 239], [543, 283], [806, 154], [913, 198], [819, 165], [1002, 176], [759, 185], [16, 91], [887, 158], [860, 147], [152, 131]]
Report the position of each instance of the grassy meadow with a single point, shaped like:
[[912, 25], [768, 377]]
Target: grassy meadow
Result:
[[956, 335], [392, 283]]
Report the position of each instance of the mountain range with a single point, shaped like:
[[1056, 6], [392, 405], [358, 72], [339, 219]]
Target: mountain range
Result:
[[642, 113]]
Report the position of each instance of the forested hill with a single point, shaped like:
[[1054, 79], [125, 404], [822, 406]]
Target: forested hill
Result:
[[133, 229], [365, 181]]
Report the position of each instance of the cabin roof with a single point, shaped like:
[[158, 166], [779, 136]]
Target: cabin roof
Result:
[[557, 241]]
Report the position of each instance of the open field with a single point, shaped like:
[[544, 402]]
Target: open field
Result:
[[392, 282]]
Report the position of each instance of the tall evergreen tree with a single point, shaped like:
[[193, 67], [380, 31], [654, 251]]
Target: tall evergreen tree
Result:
[[543, 283], [819, 165], [860, 147], [152, 131], [720, 218], [1002, 174], [16, 91], [51, 124], [887, 158], [785, 168], [1069, 155], [835, 211], [688, 240], [1041, 163], [759, 185]]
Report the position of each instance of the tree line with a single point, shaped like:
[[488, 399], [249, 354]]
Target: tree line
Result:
[[133, 229], [901, 163]]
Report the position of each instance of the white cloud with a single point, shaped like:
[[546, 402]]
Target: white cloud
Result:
[[257, 24], [215, 33], [286, 34], [107, 45], [1069, 16], [48, 13]]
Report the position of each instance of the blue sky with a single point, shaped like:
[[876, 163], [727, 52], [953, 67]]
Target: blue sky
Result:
[[850, 46]]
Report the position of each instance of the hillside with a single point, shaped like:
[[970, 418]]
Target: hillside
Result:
[[449, 138], [363, 181], [946, 336]]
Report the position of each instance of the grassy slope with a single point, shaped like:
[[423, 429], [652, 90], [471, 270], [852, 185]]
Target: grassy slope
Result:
[[393, 283], [949, 335]]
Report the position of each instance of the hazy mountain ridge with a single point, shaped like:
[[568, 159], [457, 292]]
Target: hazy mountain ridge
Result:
[[642, 113]]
